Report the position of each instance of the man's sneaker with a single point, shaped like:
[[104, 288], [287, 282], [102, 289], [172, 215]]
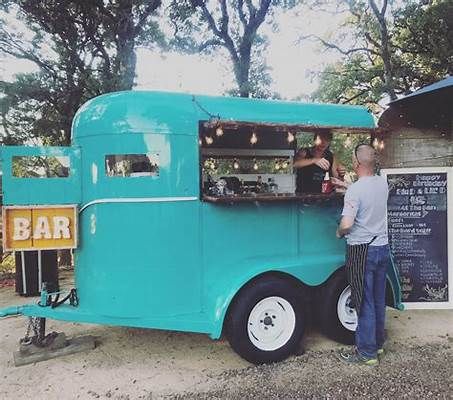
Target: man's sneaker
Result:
[[352, 356]]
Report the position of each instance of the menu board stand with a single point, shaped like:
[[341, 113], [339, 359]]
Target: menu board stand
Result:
[[420, 225]]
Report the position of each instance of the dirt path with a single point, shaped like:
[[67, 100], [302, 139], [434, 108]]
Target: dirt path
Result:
[[151, 364]]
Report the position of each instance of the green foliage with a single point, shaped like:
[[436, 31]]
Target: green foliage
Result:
[[7, 266], [82, 49], [420, 46], [208, 27]]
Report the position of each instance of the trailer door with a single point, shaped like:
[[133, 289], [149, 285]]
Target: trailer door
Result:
[[40, 175]]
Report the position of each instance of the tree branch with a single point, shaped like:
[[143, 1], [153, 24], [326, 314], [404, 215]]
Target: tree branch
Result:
[[210, 43], [151, 6], [334, 46], [241, 13]]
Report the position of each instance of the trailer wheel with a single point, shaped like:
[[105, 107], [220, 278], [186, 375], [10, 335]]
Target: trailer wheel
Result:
[[265, 323], [338, 320]]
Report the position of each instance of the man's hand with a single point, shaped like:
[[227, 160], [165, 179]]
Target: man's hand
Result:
[[322, 163], [341, 171], [339, 183], [345, 226]]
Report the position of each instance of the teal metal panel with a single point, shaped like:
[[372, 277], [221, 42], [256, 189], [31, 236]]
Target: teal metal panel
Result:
[[140, 260], [25, 191], [177, 113], [178, 166], [242, 241]]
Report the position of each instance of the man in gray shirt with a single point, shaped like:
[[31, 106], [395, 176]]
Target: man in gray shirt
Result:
[[364, 224]]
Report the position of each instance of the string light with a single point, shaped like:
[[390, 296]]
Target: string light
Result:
[[255, 165], [209, 140], [348, 141], [277, 165], [235, 164], [254, 138], [375, 142], [317, 140], [285, 164], [290, 137], [219, 131], [381, 144]]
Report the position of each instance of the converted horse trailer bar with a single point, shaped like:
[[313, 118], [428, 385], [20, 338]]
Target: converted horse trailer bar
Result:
[[166, 236]]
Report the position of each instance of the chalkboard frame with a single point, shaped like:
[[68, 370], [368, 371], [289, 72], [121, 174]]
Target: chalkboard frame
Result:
[[449, 171]]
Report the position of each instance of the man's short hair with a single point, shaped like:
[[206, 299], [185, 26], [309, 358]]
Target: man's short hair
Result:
[[365, 155]]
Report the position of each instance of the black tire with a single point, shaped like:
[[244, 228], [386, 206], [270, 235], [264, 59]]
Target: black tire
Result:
[[328, 317], [241, 308]]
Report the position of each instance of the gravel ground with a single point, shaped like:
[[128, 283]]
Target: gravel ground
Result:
[[405, 372], [149, 364]]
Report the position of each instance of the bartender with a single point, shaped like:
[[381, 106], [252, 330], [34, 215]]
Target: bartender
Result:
[[312, 163]]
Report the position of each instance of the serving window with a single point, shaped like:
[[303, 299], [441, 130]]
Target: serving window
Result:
[[247, 162], [243, 161]]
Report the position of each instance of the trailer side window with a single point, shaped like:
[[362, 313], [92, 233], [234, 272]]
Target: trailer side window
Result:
[[132, 165], [40, 167]]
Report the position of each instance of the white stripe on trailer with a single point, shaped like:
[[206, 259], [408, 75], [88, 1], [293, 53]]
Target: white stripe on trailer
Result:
[[138, 200]]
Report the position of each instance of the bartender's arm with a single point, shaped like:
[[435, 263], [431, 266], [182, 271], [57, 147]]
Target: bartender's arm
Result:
[[301, 161]]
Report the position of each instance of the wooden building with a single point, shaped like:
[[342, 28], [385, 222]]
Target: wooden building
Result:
[[418, 129]]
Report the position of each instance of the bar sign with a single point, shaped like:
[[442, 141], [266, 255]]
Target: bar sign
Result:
[[39, 227]]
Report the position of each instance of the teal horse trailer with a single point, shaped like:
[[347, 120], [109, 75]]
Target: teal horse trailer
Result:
[[182, 214]]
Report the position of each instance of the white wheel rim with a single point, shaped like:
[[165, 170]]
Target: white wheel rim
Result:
[[346, 314], [271, 323]]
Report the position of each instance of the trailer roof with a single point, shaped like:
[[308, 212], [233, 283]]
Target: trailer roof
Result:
[[179, 113]]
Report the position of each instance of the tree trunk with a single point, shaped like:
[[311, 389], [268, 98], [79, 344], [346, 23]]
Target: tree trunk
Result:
[[385, 48], [126, 57]]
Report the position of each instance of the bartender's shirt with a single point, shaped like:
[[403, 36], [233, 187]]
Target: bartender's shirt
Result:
[[366, 202]]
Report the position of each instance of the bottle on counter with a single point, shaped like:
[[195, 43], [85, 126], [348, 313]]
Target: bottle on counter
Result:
[[326, 186], [273, 187]]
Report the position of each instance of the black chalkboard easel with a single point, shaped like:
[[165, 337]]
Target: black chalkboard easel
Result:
[[418, 234]]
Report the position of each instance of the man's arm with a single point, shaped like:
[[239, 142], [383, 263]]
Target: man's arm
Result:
[[350, 208], [345, 226]]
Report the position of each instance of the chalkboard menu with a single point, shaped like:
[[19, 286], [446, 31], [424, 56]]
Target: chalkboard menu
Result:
[[418, 227]]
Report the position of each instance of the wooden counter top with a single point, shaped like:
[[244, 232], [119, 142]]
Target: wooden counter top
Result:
[[309, 198]]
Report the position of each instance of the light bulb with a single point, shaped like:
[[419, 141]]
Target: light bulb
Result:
[[254, 138], [285, 165], [375, 142], [277, 165], [348, 141], [209, 140], [255, 165], [236, 164], [219, 131], [290, 137], [381, 144], [317, 140]]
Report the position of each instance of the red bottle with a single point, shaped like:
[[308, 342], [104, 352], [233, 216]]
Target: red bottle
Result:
[[326, 186]]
